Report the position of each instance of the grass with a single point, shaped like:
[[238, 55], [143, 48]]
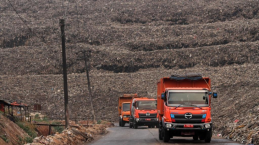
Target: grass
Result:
[[58, 129], [4, 137], [29, 129], [99, 121], [45, 119]]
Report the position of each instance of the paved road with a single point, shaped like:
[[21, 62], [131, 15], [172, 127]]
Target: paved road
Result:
[[144, 136]]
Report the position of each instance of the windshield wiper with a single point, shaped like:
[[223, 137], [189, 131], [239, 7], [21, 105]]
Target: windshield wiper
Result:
[[178, 106]]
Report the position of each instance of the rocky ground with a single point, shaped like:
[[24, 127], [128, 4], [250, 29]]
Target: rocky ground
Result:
[[74, 135], [131, 44]]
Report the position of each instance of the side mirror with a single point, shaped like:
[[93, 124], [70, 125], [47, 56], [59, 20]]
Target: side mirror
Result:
[[215, 95], [134, 104], [163, 96], [120, 107]]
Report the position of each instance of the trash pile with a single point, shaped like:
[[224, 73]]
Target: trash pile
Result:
[[74, 135]]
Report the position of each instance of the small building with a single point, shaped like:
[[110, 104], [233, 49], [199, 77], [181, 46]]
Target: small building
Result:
[[3, 103], [10, 110]]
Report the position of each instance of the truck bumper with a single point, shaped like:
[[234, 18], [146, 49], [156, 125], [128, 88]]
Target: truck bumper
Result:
[[125, 119], [188, 129], [146, 121]]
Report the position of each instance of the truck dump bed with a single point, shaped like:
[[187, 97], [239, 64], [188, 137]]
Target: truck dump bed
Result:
[[191, 81]]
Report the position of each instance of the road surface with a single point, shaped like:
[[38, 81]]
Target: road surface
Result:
[[145, 136]]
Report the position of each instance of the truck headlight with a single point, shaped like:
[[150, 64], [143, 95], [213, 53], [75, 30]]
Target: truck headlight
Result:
[[207, 125], [156, 119], [124, 116], [168, 125], [137, 119]]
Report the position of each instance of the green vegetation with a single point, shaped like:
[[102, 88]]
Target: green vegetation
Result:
[[28, 139], [58, 128], [37, 116], [4, 137], [38, 119], [22, 141], [99, 121], [29, 129]]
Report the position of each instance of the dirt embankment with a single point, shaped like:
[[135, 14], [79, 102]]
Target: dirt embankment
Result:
[[11, 133]]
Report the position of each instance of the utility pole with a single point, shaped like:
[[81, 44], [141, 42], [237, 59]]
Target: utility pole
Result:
[[88, 83], [62, 25]]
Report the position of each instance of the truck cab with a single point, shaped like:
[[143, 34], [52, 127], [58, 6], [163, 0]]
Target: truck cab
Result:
[[184, 107], [125, 113], [143, 113]]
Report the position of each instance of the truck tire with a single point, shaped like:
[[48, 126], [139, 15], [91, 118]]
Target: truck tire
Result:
[[119, 121], [195, 137], [135, 126], [166, 137], [130, 125], [122, 123], [208, 136], [160, 134]]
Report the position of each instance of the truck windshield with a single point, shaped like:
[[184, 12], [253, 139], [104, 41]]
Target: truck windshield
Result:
[[188, 98], [126, 107], [146, 105]]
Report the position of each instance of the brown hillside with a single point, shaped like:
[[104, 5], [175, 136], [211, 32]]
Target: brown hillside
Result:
[[133, 44]]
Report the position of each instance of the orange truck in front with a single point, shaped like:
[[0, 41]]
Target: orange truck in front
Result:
[[184, 107], [124, 108], [143, 112]]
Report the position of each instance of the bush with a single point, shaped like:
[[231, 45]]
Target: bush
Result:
[[4, 137], [28, 128], [28, 139], [37, 116], [58, 128]]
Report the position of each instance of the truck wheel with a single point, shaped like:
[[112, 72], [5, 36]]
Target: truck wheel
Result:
[[135, 126], [130, 125], [122, 123], [166, 136], [208, 136], [195, 137], [202, 137], [119, 121], [160, 134]]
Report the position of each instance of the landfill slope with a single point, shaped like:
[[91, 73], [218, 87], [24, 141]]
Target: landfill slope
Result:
[[130, 45]]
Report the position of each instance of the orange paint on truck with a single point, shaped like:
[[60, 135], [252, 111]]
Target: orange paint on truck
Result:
[[184, 107]]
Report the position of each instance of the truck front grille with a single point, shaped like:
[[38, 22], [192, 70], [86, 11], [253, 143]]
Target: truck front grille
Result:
[[147, 115], [196, 118]]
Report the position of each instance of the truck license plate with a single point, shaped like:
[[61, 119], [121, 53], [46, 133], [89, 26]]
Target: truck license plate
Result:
[[148, 119], [188, 126]]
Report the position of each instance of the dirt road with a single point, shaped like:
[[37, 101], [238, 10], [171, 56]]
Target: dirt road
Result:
[[144, 136]]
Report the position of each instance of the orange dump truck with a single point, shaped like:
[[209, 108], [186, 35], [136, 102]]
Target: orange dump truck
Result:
[[143, 113], [124, 108], [184, 107]]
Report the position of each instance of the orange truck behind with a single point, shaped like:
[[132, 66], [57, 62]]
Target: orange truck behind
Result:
[[143, 112], [124, 108], [184, 107]]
